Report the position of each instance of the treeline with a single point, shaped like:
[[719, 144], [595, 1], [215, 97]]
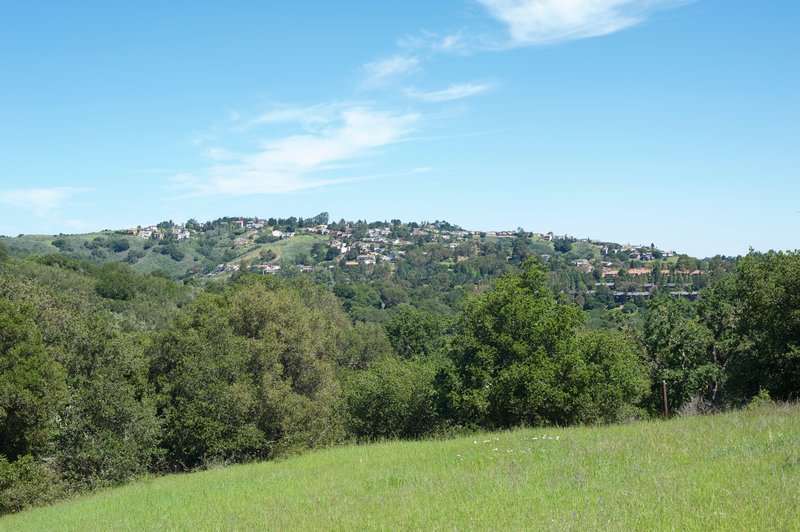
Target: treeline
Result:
[[97, 388]]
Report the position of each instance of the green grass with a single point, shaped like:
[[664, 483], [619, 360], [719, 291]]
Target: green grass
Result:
[[291, 248], [31, 244], [737, 471], [542, 247], [583, 249]]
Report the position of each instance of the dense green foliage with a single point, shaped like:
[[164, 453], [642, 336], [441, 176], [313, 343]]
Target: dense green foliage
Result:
[[249, 374], [392, 398], [740, 338], [519, 360], [107, 373]]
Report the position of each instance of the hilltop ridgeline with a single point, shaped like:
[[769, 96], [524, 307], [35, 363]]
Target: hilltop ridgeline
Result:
[[594, 274]]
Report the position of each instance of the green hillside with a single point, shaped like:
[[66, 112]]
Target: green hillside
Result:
[[736, 471], [176, 259]]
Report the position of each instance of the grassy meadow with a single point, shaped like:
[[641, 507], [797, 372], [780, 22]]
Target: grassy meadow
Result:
[[737, 471]]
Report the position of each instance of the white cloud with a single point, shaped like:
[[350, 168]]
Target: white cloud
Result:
[[308, 116], [384, 71], [303, 161], [435, 42], [532, 22], [453, 92], [40, 201], [219, 154]]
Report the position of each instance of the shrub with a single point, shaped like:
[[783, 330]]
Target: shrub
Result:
[[248, 373], [760, 400], [134, 255], [609, 379], [696, 406], [62, 244], [414, 332], [393, 398], [118, 244], [266, 239], [116, 282], [26, 482]]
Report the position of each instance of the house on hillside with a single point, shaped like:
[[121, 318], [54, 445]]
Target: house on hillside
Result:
[[266, 268], [583, 265], [610, 272]]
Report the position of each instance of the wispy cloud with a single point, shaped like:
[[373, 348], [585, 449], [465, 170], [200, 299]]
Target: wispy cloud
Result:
[[308, 116], [219, 154], [537, 22], [453, 92], [384, 71], [432, 42], [40, 201], [303, 161]]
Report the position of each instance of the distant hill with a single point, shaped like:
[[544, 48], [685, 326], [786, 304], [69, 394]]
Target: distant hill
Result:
[[436, 264]]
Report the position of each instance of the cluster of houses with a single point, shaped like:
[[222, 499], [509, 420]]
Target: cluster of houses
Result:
[[381, 244], [639, 272], [253, 224], [153, 231]]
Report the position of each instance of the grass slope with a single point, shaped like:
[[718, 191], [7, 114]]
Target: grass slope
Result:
[[224, 251], [737, 471]]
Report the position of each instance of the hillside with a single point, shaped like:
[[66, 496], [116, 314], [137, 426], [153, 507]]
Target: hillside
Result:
[[736, 471], [433, 266]]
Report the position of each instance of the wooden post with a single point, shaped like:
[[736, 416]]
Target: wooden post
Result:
[[664, 399]]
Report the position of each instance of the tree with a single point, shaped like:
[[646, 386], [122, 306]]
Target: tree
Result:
[[680, 348], [414, 332], [393, 295], [267, 255], [116, 282], [765, 292], [508, 349], [562, 245], [248, 373], [109, 431], [118, 244], [521, 250], [32, 384], [610, 381], [392, 398], [63, 244], [365, 342], [134, 255], [320, 219]]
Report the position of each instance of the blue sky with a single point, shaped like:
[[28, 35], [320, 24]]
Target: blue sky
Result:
[[665, 121]]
